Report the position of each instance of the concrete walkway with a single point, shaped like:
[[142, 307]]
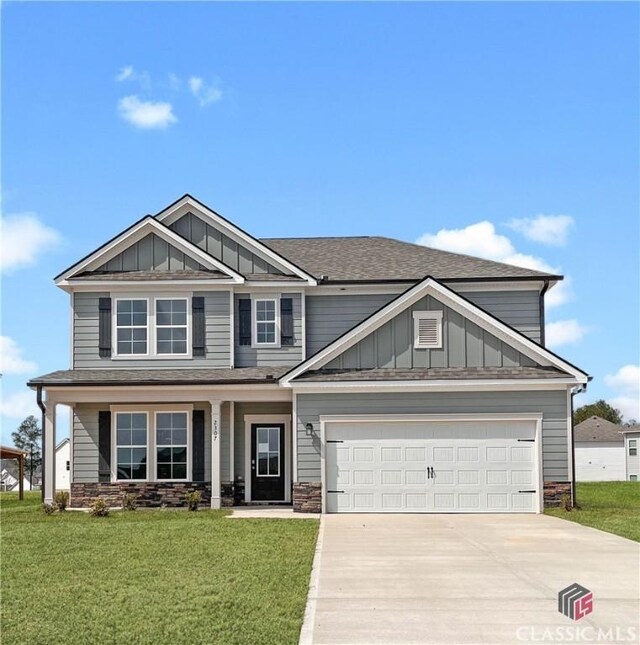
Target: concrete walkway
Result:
[[270, 512], [465, 579]]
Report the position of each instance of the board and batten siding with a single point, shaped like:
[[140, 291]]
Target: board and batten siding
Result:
[[85, 335], [85, 441], [464, 344], [221, 246], [519, 309], [151, 253], [248, 356], [551, 404]]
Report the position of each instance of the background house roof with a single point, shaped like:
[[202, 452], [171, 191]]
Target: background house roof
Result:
[[597, 429], [386, 259]]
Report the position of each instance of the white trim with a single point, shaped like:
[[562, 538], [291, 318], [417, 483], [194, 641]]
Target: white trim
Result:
[[114, 328], [515, 285], [429, 286], [266, 419], [189, 416], [216, 441], [232, 329], [303, 324], [434, 418], [136, 233], [188, 326], [147, 285], [570, 455], [188, 204], [73, 329], [254, 320], [232, 439], [294, 437], [436, 315], [114, 443]]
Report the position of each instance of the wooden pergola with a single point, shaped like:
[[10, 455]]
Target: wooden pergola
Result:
[[7, 452]]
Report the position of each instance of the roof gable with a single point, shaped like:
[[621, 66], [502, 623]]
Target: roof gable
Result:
[[147, 245], [598, 429], [481, 320], [241, 247]]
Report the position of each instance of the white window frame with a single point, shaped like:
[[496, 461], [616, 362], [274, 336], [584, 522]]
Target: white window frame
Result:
[[150, 411], [268, 427], [427, 315], [633, 478], [114, 443], [633, 447], [187, 326], [254, 320], [156, 445], [116, 327], [152, 353]]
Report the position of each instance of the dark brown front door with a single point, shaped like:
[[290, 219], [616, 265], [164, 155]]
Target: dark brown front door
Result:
[[267, 462]]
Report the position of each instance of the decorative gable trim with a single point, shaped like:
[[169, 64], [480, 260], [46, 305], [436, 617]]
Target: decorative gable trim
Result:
[[188, 203], [134, 234], [430, 286]]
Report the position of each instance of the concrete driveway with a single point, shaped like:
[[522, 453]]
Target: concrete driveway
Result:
[[467, 579]]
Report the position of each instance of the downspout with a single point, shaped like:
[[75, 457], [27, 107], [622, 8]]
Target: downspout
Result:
[[574, 391], [544, 289], [43, 409]]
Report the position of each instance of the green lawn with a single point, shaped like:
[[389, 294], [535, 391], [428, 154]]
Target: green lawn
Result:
[[151, 576], [608, 506]]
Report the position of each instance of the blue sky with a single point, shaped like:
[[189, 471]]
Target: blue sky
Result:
[[406, 120]]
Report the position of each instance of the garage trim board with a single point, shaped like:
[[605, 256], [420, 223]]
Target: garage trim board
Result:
[[422, 434]]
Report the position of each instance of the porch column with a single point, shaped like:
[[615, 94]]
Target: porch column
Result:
[[215, 454], [49, 446]]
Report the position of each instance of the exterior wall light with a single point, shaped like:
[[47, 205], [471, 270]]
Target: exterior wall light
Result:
[[309, 429]]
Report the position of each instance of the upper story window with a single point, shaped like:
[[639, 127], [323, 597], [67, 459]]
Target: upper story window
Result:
[[152, 328], [171, 326], [266, 322], [633, 447], [427, 329], [132, 327]]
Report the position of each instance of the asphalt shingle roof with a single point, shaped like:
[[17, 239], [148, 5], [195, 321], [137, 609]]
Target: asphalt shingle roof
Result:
[[186, 376], [597, 429], [431, 374], [383, 258]]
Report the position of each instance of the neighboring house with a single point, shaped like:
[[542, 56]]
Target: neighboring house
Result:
[[9, 482], [631, 448], [63, 465], [599, 451], [337, 374]]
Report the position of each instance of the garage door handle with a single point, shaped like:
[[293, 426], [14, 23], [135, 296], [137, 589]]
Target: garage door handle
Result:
[[526, 491], [528, 440], [335, 441], [335, 491]]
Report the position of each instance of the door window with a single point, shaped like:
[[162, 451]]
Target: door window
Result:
[[268, 451]]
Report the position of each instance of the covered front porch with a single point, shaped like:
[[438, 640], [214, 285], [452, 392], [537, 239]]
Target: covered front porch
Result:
[[233, 444]]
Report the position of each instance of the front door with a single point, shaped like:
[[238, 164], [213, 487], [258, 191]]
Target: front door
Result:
[[267, 462]]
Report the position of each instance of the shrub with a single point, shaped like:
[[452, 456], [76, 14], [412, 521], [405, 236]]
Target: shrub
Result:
[[62, 500], [192, 499], [49, 509], [129, 502], [99, 508]]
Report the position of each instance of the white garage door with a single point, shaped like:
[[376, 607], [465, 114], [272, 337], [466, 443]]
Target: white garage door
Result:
[[431, 467]]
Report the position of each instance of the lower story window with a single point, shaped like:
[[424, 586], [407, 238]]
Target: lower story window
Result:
[[171, 445], [633, 478], [131, 445]]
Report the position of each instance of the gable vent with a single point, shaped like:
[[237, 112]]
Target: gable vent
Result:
[[427, 329]]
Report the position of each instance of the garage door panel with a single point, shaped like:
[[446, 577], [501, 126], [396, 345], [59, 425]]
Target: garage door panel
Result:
[[431, 467]]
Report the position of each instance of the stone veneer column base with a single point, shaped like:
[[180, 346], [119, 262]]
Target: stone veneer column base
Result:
[[554, 492], [307, 497], [150, 494]]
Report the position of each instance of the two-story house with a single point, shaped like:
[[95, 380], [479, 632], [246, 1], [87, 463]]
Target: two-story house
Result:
[[359, 374]]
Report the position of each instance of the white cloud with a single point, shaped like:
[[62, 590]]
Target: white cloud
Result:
[[483, 241], [19, 405], [125, 73], [129, 73], [11, 360], [546, 229], [206, 93], [626, 383], [564, 332], [24, 238], [147, 115]]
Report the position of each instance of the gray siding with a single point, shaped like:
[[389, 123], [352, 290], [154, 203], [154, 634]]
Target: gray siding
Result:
[[331, 316], [520, 309], [85, 335], [85, 441], [464, 344], [242, 408], [220, 246], [552, 405], [247, 356], [151, 253]]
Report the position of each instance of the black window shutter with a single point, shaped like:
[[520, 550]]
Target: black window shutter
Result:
[[197, 443], [286, 321], [244, 321], [198, 324], [104, 327], [104, 446]]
